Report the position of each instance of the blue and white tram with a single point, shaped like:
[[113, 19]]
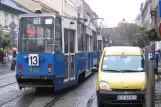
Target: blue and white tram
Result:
[[53, 52]]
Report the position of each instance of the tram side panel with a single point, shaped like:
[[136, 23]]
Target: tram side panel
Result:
[[90, 61], [60, 72], [95, 58], [81, 63]]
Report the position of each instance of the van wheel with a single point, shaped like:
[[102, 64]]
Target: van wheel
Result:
[[100, 104]]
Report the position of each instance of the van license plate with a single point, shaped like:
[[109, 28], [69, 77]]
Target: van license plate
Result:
[[126, 97]]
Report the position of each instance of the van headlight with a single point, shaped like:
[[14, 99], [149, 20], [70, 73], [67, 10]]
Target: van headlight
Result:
[[104, 86]]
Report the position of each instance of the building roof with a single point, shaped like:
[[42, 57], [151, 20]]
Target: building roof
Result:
[[14, 5], [29, 4], [87, 9]]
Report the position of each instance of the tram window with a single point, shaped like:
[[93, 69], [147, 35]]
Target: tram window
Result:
[[72, 41], [94, 41], [58, 35], [99, 45], [91, 44], [80, 43], [32, 36], [66, 40], [85, 43]]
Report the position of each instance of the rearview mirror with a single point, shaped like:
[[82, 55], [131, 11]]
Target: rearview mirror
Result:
[[123, 56]]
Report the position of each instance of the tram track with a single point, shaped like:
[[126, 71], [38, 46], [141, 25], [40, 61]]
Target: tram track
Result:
[[52, 102], [24, 94], [6, 77], [8, 84]]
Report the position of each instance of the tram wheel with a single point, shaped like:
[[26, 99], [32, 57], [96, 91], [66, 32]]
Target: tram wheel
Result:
[[81, 77]]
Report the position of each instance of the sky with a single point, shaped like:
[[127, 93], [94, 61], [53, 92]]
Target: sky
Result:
[[114, 11]]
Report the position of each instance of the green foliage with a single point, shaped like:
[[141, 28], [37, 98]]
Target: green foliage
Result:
[[4, 40], [142, 37], [132, 35], [124, 35], [153, 35]]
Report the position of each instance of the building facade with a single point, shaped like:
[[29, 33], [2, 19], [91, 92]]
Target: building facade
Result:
[[138, 20], [9, 12], [145, 14]]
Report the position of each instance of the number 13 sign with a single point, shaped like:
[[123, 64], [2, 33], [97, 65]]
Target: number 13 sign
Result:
[[33, 59]]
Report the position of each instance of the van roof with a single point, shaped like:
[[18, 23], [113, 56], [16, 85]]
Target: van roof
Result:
[[123, 50]]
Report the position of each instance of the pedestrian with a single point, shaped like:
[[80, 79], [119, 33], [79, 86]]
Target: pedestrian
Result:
[[157, 57], [2, 57], [13, 60]]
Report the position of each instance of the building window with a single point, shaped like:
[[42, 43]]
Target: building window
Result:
[[6, 20], [65, 5], [78, 15]]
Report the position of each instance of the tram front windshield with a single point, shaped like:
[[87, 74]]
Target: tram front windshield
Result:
[[36, 35]]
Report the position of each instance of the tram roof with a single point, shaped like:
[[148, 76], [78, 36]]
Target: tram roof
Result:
[[38, 14]]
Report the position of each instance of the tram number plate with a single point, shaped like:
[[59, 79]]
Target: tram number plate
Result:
[[34, 69], [126, 97], [33, 59]]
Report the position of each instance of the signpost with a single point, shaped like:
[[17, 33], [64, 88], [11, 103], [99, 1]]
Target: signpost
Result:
[[12, 33]]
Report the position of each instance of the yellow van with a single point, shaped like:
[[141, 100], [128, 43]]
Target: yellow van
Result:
[[121, 76]]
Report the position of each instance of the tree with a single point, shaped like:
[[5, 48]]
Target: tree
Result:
[[4, 40], [128, 32], [141, 37], [153, 35], [124, 34], [144, 36]]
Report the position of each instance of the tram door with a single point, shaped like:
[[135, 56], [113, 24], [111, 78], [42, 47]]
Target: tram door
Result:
[[88, 56], [91, 50], [69, 43]]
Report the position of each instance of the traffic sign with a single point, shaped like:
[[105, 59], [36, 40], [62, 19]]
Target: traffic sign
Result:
[[150, 56], [13, 36], [12, 25], [160, 29]]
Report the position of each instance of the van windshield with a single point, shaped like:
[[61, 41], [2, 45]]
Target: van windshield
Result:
[[123, 63]]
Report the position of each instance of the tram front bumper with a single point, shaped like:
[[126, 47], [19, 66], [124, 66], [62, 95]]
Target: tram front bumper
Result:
[[35, 81]]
